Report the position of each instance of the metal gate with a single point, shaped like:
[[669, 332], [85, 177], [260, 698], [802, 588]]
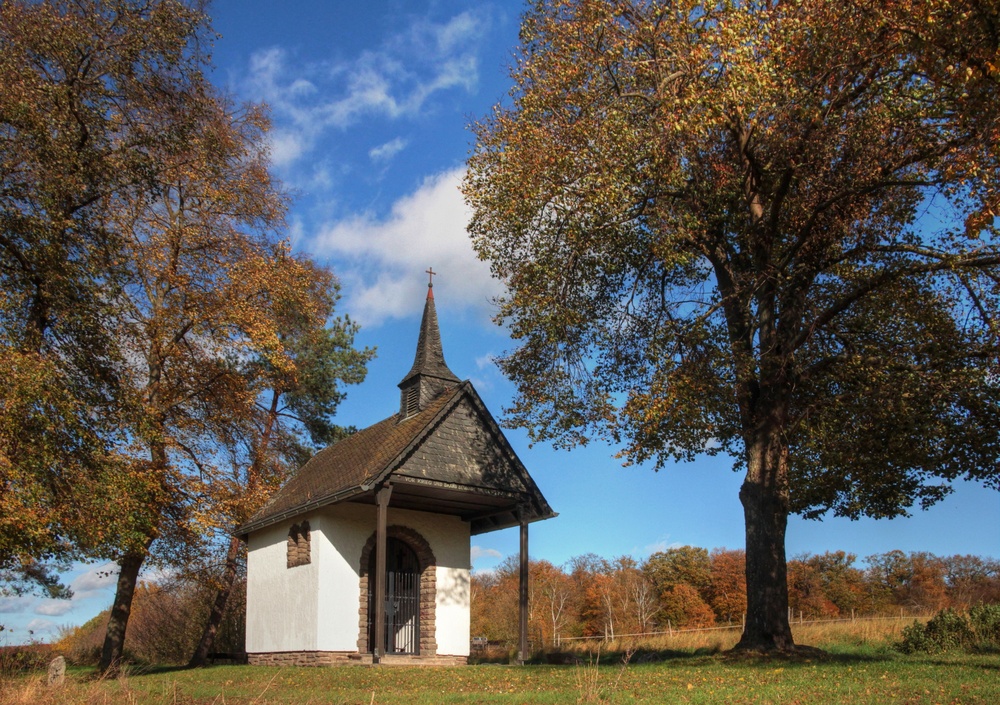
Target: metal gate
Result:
[[402, 599]]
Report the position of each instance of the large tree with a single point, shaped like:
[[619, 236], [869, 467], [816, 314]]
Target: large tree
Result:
[[87, 88], [205, 270], [760, 228], [146, 294]]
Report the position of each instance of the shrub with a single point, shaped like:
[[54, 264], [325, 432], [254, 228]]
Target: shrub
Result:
[[985, 623], [20, 659], [684, 607], [164, 627], [950, 631]]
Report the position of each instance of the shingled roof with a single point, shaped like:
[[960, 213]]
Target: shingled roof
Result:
[[449, 457]]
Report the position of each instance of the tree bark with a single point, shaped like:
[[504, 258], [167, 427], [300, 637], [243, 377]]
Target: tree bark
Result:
[[200, 657], [766, 516], [114, 640], [764, 497], [128, 576]]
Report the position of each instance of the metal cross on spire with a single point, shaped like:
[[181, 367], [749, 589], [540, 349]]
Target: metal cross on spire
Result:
[[430, 276]]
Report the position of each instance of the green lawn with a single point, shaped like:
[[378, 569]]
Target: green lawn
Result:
[[878, 678]]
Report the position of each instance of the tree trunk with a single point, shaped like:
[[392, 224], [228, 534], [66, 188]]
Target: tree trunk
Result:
[[765, 509], [200, 657], [128, 576], [114, 640]]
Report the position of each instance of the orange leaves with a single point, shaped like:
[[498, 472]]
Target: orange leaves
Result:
[[728, 592], [43, 476], [684, 607], [146, 277], [980, 220], [692, 203]]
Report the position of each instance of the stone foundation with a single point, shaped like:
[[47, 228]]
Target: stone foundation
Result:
[[348, 658], [437, 660], [303, 658]]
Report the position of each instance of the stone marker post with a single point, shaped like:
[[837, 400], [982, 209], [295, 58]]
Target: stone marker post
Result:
[[57, 671]]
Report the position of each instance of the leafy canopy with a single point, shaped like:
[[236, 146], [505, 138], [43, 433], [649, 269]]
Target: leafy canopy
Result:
[[87, 88], [763, 228], [147, 304]]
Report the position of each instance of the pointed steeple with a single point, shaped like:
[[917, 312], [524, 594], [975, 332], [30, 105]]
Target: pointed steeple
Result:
[[429, 375]]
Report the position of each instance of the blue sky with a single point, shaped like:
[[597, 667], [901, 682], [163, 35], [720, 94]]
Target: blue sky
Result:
[[370, 103]]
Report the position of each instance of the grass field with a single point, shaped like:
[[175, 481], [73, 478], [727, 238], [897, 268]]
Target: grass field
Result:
[[856, 669]]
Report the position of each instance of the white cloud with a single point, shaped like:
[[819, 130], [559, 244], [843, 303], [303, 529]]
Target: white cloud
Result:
[[13, 605], [486, 361], [96, 581], [380, 258], [395, 80], [42, 627], [482, 384], [387, 151], [54, 608], [286, 147], [662, 544], [478, 552], [266, 65], [301, 87], [457, 32]]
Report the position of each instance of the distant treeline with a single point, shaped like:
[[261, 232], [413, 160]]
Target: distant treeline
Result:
[[680, 588], [690, 587]]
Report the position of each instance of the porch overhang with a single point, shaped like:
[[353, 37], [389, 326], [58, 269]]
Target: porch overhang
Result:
[[486, 509]]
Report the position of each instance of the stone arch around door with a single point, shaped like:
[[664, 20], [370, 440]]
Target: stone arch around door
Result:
[[428, 588]]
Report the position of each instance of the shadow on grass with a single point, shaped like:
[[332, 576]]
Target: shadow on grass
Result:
[[130, 670], [803, 656], [987, 664]]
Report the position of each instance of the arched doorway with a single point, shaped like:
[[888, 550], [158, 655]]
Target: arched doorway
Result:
[[402, 599], [426, 643]]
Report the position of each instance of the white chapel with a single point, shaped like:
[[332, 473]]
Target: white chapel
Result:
[[363, 555]]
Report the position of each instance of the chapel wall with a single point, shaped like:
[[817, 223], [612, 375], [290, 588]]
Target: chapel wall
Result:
[[281, 601]]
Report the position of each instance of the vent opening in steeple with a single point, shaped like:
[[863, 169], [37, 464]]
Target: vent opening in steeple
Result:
[[412, 401]]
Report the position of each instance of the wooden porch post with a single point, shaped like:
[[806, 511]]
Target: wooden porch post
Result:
[[382, 506], [523, 593]]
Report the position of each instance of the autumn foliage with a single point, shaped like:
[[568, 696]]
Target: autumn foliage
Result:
[[171, 356], [691, 588], [766, 229], [164, 627]]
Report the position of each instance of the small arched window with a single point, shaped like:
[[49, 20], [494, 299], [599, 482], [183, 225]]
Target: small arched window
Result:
[[298, 545]]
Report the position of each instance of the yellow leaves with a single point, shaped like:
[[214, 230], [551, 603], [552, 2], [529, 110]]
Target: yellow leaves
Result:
[[683, 153]]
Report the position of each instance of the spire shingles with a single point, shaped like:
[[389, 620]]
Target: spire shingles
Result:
[[429, 375]]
